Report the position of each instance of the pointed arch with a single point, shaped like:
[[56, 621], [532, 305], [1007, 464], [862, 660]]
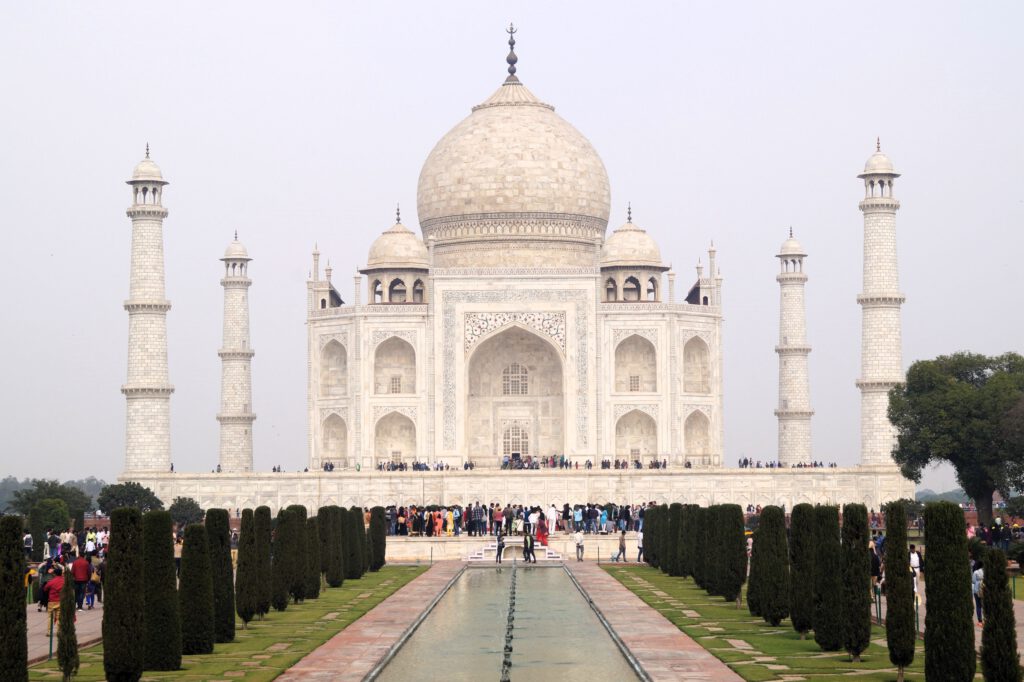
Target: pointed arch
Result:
[[652, 289], [394, 438], [418, 292], [696, 366], [631, 289], [636, 435], [394, 367], [377, 291], [396, 291], [697, 436], [333, 369], [611, 290], [334, 444], [636, 365]]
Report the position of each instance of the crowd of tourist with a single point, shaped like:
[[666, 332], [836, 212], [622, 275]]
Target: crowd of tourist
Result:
[[749, 463], [67, 556]]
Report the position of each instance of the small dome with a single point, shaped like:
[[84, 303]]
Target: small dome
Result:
[[879, 164], [630, 245], [236, 251], [397, 248], [791, 247], [148, 171]]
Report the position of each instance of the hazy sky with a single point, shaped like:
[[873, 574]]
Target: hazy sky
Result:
[[301, 122]]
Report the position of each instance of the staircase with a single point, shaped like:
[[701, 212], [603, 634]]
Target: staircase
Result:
[[513, 548]]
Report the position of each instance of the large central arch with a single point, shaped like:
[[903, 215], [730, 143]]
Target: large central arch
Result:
[[514, 394]]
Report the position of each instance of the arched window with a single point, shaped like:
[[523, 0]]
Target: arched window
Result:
[[394, 367], [335, 439], [378, 292], [636, 365], [696, 366], [611, 291], [516, 439], [333, 369], [396, 292], [417, 291], [631, 289], [514, 380], [652, 289]]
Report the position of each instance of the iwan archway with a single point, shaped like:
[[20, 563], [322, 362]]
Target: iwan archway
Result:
[[515, 398]]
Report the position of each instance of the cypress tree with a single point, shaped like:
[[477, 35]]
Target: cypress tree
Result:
[[300, 564], [354, 552], [247, 578], [828, 580], [336, 553], [856, 580], [313, 558], [700, 548], [323, 527], [651, 536], [218, 534], [756, 574], [366, 549], [283, 560], [801, 563], [948, 631], [196, 592], [733, 552], [378, 538], [264, 579], [13, 626], [900, 633], [360, 531], [686, 530], [67, 640], [675, 516], [162, 635], [123, 608], [775, 579], [1000, 661]]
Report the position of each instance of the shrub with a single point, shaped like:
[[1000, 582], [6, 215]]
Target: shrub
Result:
[[218, 534], [754, 580], [354, 546], [323, 528], [675, 515], [123, 607], [264, 580], [900, 625], [773, 565], [856, 580], [162, 634], [378, 538], [1000, 661], [312, 558], [67, 640], [732, 551], [828, 580], [283, 560], [13, 626], [247, 578], [196, 593], [700, 548], [299, 564], [801, 562], [652, 536], [335, 550], [686, 540], [948, 631]]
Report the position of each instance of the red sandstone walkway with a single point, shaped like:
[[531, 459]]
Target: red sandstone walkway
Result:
[[662, 649], [355, 651]]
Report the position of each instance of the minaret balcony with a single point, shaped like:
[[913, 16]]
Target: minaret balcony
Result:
[[245, 418], [147, 391], [879, 204], [793, 349], [235, 282], [877, 385], [794, 414], [236, 354], [147, 306], [146, 211], [881, 300]]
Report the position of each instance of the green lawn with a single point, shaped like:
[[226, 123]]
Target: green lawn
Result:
[[271, 646], [773, 653]]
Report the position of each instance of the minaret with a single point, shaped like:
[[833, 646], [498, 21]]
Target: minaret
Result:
[[236, 416], [794, 411], [147, 391], [881, 347]]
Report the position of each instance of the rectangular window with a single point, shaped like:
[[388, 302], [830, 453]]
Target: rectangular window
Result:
[[634, 382], [635, 452], [396, 384]]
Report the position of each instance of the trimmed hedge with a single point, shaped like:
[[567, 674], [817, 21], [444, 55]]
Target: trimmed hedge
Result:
[[948, 631], [900, 626], [312, 558], [218, 535], [123, 608], [686, 540], [999, 657], [162, 634], [675, 516], [196, 593], [67, 640], [771, 563], [732, 552], [300, 562], [378, 538], [354, 538], [13, 618], [856, 580], [264, 579], [700, 547], [335, 549], [828, 580], [652, 539], [801, 565], [247, 579], [284, 560]]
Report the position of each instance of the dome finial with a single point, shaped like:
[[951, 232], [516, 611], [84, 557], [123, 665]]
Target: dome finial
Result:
[[236, 235], [629, 212], [147, 150], [398, 213], [878, 144], [790, 231], [511, 58]]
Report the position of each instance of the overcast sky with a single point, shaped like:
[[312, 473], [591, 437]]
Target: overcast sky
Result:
[[303, 122]]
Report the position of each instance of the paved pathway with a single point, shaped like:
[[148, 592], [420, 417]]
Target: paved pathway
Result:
[[88, 627], [664, 651], [356, 650]]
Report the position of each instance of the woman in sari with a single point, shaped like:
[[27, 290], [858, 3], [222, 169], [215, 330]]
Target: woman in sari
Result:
[[450, 522], [437, 524], [542, 530]]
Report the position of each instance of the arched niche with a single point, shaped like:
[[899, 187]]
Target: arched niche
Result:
[[394, 367], [333, 369], [394, 438], [636, 435], [636, 365], [697, 436], [334, 446], [696, 366]]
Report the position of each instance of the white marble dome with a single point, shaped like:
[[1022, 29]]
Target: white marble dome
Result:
[[791, 247], [513, 154], [630, 246], [397, 248], [236, 251], [879, 164], [147, 171]]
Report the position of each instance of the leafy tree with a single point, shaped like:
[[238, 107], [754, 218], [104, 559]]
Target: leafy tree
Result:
[[900, 626], [131, 494], [801, 562], [772, 563], [25, 499], [960, 409], [247, 579], [335, 550], [856, 580], [263, 571], [196, 593], [675, 515], [284, 560], [297, 586], [185, 511], [732, 549], [123, 608], [1000, 660], [162, 634], [67, 640], [218, 535], [828, 579], [13, 626], [948, 631], [46, 513], [312, 558], [378, 538]]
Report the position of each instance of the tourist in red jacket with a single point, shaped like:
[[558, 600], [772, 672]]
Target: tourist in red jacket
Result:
[[81, 571]]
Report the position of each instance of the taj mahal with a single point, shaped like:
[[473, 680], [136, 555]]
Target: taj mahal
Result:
[[515, 328]]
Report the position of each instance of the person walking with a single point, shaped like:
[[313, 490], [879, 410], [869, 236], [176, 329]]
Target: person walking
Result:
[[27, 542], [639, 546], [501, 546], [621, 554], [977, 585], [52, 592], [578, 539], [80, 573], [528, 545]]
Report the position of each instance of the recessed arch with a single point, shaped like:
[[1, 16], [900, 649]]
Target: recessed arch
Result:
[[333, 369], [696, 366], [394, 438], [611, 290], [697, 436], [636, 435], [394, 367], [396, 291], [418, 292], [636, 365], [631, 289], [334, 444], [377, 291], [652, 289]]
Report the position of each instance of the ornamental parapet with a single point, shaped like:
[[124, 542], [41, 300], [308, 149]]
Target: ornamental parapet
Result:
[[878, 385], [246, 418], [236, 354], [881, 300], [791, 277], [237, 282], [542, 225], [879, 204], [795, 414], [147, 306], [793, 349], [146, 211], [647, 306], [147, 391]]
